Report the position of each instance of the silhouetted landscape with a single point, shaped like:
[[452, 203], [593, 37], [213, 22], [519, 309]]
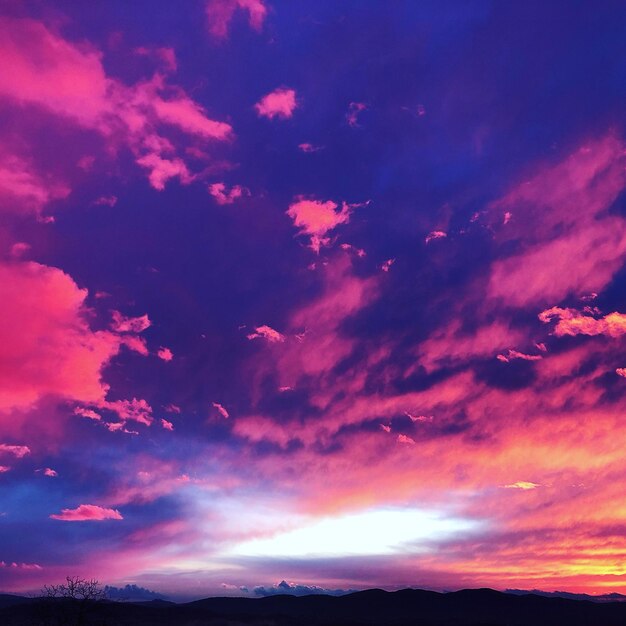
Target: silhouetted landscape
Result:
[[484, 607]]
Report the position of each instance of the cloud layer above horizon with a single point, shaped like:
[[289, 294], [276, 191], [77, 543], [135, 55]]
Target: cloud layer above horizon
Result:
[[281, 277]]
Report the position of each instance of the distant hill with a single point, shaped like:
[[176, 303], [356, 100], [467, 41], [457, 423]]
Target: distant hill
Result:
[[11, 600], [603, 597], [470, 607]]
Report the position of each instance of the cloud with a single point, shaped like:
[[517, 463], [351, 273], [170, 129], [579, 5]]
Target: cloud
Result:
[[132, 593], [23, 190], [523, 485], [222, 196], [573, 322], [450, 344], [109, 201], [435, 234], [419, 418], [21, 566], [88, 413], [514, 354], [352, 116], [568, 242], [50, 472], [221, 410], [136, 344], [167, 425], [161, 170], [137, 410], [87, 513], [317, 218], [17, 451], [266, 332], [406, 439], [621, 371], [309, 147], [123, 324], [387, 265], [165, 354], [69, 81], [295, 589], [55, 352], [221, 12], [280, 103]]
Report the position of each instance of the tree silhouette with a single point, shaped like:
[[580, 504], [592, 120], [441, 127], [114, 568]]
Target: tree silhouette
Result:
[[77, 602]]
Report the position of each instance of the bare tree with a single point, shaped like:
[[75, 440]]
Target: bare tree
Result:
[[76, 588], [73, 603]]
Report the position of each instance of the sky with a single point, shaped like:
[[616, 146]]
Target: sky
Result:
[[313, 295]]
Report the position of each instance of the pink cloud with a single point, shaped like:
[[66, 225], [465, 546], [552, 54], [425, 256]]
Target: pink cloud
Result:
[[123, 324], [87, 513], [22, 190], [221, 410], [358, 251], [386, 428], [161, 170], [352, 116], [515, 354], [309, 147], [165, 354], [19, 249], [224, 196], [387, 265], [259, 428], [570, 242], [167, 424], [172, 408], [17, 451], [109, 201], [266, 332], [167, 56], [119, 427], [220, 14], [419, 418], [450, 344], [573, 322], [134, 343], [88, 413], [280, 103], [190, 117], [50, 472], [406, 439], [435, 234], [67, 80], [137, 410], [55, 352], [621, 371], [316, 219], [4, 468], [21, 566]]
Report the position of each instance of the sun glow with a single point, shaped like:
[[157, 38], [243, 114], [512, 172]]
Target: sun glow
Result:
[[377, 532]]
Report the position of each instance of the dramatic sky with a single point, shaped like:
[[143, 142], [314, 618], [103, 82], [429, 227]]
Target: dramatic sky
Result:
[[330, 292]]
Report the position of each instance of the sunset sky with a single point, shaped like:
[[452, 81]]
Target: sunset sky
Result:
[[329, 292]]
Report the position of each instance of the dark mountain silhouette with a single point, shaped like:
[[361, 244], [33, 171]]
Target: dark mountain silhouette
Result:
[[603, 597], [470, 607]]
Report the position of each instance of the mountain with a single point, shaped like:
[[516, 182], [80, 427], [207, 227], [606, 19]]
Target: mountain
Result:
[[603, 597], [374, 607]]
